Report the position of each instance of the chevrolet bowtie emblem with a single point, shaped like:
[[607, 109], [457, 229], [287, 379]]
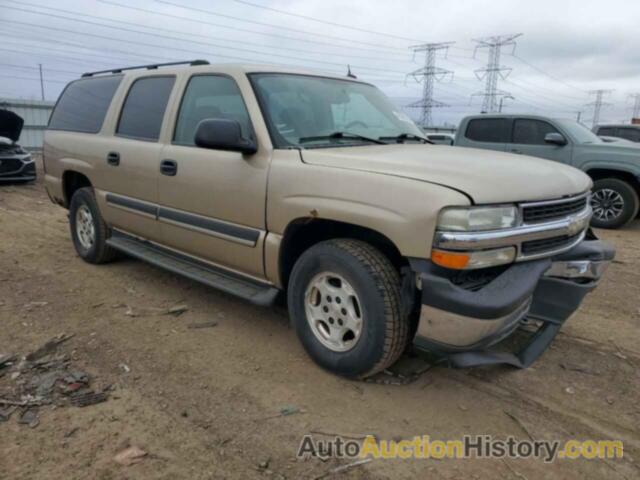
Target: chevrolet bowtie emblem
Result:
[[575, 226]]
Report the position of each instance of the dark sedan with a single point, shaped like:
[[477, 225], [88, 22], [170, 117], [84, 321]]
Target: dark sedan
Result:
[[16, 165]]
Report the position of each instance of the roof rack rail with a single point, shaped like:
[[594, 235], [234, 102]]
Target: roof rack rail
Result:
[[151, 66]]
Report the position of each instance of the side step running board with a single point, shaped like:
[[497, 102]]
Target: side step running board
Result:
[[255, 292]]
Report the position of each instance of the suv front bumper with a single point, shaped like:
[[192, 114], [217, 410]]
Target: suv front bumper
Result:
[[462, 320]]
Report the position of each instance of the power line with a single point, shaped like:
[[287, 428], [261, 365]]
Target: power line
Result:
[[35, 79], [137, 25], [598, 104], [45, 52], [191, 41], [546, 89], [553, 77], [75, 60], [326, 22], [428, 75], [27, 67], [246, 30], [200, 52], [553, 100], [271, 25], [494, 70]]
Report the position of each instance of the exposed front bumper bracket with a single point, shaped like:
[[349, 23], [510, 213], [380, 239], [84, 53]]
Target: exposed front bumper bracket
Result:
[[555, 289]]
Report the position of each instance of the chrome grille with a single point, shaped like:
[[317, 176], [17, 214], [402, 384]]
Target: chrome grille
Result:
[[534, 247], [556, 209]]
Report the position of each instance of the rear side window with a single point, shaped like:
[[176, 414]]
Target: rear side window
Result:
[[144, 108], [632, 134], [531, 132], [492, 130], [84, 104], [210, 96], [607, 131]]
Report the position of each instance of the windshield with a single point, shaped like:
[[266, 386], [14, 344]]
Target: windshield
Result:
[[307, 111], [579, 132]]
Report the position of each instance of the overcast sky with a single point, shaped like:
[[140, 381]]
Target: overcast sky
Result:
[[568, 47]]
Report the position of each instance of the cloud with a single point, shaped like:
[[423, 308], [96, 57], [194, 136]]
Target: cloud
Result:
[[567, 47]]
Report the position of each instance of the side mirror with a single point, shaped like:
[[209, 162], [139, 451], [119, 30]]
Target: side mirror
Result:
[[223, 134], [555, 138]]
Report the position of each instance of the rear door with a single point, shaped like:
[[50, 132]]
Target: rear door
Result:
[[488, 133], [131, 164], [212, 205], [527, 138]]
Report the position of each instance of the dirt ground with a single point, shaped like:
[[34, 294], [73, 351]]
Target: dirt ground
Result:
[[206, 403]]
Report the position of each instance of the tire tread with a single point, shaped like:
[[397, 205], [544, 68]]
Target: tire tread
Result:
[[388, 283], [103, 253]]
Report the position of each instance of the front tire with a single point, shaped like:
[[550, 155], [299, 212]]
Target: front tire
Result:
[[345, 302], [615, 203], [89, 232]]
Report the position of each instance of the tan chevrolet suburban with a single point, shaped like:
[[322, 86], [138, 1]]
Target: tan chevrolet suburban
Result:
[[258, 180]]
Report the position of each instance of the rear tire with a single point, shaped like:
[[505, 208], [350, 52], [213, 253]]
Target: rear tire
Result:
[[615, 203], [88, 230], [345, 302]]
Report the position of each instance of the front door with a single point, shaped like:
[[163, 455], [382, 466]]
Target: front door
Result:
[[528, 139], [212, 202]]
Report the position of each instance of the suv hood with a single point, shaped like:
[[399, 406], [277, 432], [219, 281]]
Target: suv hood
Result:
[[10, 125], [486, 176]]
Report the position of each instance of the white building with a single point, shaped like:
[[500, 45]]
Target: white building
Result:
[[36, 117]]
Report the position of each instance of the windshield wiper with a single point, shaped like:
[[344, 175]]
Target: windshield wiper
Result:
[[340, 135], [407, 136]]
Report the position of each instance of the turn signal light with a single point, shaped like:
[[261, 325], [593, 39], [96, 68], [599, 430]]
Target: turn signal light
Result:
[[450, 259]]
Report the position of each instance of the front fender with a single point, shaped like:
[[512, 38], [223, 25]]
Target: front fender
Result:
[[403, 210], [623, 159]]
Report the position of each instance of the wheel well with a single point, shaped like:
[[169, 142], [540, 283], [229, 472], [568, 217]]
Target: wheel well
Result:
[[303, 233], [72, 181], [600, 173]]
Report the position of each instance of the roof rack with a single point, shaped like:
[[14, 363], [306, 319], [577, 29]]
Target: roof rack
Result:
[[151, 66]]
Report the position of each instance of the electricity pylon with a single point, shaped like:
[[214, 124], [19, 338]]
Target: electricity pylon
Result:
[[428, 76], [493, 71], [597, 104]]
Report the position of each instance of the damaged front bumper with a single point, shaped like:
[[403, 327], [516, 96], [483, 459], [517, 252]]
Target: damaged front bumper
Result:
[[463, 316]]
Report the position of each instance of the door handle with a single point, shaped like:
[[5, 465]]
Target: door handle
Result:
[[169, 167], [113, 158]]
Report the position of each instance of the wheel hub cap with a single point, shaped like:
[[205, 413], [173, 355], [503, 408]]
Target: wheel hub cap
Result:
[[333, 311], [607, 204], [85, 228]]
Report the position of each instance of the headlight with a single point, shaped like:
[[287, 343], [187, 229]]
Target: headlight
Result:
[[470, 219]]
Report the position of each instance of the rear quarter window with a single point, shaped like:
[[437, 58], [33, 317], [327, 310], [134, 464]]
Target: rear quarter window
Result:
[[490, 130], [83, 104]]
